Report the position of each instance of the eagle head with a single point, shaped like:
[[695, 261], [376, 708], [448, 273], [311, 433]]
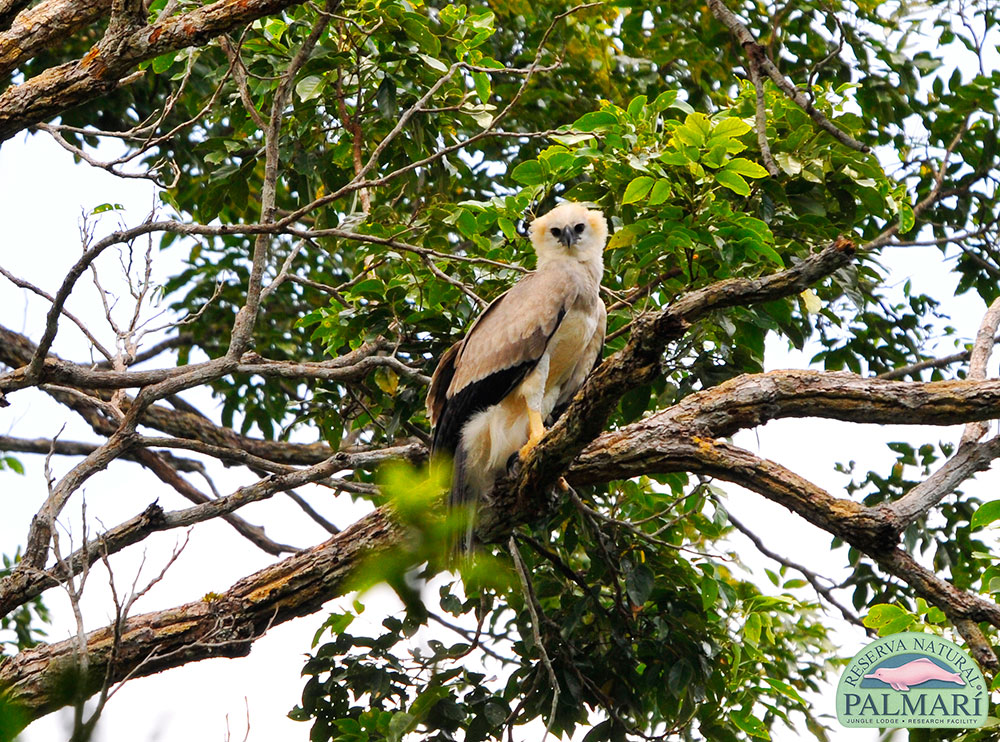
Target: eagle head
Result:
[[570, 229]]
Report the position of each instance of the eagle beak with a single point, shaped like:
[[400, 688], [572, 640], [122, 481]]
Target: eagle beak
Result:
[[568, 236]]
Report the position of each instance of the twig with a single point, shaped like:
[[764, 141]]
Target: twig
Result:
[[761, 117], [529, 599], [981, 350], [239, 75], [825, 592], [20, 283], [480, 302], [929, 200], [898, 373], [308, 510], [756, 52]]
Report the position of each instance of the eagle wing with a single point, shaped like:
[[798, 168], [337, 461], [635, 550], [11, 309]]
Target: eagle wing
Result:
[[502, 347]]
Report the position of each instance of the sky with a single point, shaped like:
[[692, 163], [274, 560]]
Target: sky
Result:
[[42, 197]]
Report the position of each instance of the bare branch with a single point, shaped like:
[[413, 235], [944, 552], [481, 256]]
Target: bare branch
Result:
[[533, 609], [981, 350], [824, 591], [222, 626], [20, 283], [760, 116]]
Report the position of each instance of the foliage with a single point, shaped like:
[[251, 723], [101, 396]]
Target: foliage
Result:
[[419, 140], [658, 634], [24, 623]]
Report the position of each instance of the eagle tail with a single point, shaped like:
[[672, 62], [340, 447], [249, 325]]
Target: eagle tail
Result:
[[463, 499]]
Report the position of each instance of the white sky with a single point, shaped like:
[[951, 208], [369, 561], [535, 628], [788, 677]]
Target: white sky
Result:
[[42, 194]]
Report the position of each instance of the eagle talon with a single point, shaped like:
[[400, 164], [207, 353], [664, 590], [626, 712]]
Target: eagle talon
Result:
[[526, 448], [536, 431]]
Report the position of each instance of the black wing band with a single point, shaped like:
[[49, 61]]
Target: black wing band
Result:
[[478, 396]]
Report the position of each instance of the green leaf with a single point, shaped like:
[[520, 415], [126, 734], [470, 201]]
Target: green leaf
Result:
[[528, 173], [415, 27], [664, 101], [163, 63], [595, 120], [12, 463], [434, 64], [897, 625], [482, 83], [636, 107], [106, 207], [906, 218], [733, 182], [883, 614], [762, 248], [985, 514], [789, 163], [466, 223], [385, 98], [401, 724], [639, 584], [637, 189], [751, 629], [508, 228], [748, 723], [746, 168], [309, 87], [731, 127], [660, 192]]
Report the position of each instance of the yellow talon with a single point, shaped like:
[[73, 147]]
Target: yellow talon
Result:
[[536, 431]]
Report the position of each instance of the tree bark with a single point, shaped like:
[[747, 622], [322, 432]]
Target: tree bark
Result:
[[101, 70]]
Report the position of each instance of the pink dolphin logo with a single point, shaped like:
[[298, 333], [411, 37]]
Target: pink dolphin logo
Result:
[[914, 673]]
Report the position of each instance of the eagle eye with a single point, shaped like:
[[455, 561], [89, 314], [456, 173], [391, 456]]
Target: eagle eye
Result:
[[579, 228], [555, 232]]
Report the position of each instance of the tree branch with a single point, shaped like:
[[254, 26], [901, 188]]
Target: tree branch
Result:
[[758, 56], [103, 68], [38, 679], [639, 361]]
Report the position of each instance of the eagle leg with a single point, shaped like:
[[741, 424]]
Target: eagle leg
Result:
[[536, 431]]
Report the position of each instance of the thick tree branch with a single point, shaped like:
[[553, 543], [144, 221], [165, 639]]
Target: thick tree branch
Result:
[[23, 584], [639, 361], [754, 399], [42, 679], [9, 10], [103, 67]]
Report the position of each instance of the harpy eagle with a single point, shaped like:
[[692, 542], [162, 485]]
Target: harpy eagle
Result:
[[524, 357]]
